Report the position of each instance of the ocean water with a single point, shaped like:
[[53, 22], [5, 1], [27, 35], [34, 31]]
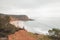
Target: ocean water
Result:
[[42, 25]]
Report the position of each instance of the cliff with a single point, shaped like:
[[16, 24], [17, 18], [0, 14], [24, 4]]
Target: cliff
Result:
[[17, 17], [21, 34]]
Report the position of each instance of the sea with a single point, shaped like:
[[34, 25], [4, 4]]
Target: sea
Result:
[[42, 25]]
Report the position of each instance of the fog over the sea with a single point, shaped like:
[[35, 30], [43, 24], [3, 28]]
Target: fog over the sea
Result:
[[46, 12]]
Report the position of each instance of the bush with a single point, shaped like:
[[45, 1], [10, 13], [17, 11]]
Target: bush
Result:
[[55, 34], [5, 27]]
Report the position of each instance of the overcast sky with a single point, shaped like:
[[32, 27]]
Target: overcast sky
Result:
[[32, 8]]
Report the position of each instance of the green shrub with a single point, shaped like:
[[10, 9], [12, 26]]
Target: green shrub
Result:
[[56, 34], [5, 27]]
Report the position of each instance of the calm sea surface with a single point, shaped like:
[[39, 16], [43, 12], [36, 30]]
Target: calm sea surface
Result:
[[42, 25]]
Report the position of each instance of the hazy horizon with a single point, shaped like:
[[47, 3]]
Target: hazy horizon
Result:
[[32, 8]]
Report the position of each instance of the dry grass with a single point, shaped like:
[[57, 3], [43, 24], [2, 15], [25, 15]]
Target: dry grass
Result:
[[40, 36]]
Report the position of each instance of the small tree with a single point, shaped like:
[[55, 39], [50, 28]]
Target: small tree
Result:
[[5, 27], [55, 33]]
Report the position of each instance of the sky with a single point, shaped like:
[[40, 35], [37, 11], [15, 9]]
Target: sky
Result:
[[32, 8]]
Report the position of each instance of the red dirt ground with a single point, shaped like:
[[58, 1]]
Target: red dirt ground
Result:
[[21, 35]]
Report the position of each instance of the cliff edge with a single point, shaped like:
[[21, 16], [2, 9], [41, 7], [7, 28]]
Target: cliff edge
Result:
[[21, 35]]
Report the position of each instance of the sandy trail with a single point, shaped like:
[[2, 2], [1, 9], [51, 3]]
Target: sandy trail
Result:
[[21, 35]]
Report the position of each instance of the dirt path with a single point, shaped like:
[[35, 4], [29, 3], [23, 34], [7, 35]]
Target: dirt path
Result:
[[21, 35]]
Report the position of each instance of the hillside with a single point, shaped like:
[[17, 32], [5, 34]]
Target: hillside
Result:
[[21, 35], [17, 17]]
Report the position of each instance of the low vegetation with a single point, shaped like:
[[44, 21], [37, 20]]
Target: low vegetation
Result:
[[54, 34], [39, 36], [5, 27]]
